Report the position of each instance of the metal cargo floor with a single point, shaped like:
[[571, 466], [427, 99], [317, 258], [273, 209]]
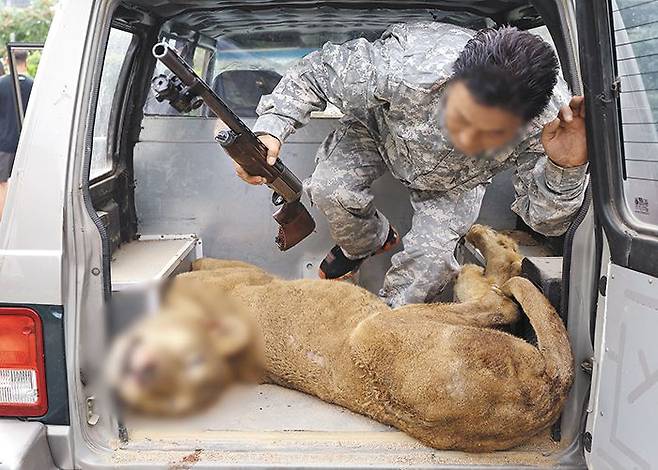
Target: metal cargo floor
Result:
[[266, 425], [264, 408]]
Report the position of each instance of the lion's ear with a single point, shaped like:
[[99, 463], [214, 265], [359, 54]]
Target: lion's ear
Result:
[[230, 334]]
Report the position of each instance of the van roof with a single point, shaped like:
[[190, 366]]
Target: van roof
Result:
[[216, 17], [491, 8]]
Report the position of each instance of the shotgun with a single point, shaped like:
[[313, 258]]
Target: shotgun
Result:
[[186, 91]]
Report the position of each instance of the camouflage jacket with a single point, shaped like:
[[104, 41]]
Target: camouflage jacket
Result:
[[393, 86]]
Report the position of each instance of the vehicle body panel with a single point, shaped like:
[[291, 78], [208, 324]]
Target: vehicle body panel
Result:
[[625, 415], [24, 446], [622, 417], [67, 267], [31, 263]]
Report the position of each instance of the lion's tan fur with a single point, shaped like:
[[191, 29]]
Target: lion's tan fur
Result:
[[439, 372]]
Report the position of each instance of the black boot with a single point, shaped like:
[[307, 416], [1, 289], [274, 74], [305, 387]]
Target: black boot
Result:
[[337, 266]]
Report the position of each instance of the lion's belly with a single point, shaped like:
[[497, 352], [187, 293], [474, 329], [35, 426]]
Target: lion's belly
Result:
[[306, 327]]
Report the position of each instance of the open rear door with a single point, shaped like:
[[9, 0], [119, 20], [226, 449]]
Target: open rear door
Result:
[[619, 59]]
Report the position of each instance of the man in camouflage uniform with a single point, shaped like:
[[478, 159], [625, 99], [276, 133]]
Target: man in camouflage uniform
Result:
[[405, 113]]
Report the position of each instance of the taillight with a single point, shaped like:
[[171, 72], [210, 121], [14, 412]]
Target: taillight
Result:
[[22, 370]]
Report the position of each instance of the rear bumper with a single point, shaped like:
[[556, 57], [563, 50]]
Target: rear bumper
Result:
[[24, 446]]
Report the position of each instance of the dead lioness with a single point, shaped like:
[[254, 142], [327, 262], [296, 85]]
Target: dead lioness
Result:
[[440, 372]]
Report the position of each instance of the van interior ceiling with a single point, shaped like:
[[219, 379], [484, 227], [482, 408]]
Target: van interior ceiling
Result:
[[169, 195]]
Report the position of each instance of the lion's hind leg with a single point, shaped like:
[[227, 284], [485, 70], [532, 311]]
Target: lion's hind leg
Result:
[[419, 374], [492, 311]]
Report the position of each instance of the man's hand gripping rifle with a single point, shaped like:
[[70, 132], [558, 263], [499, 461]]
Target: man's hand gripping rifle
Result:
[[186, 91]]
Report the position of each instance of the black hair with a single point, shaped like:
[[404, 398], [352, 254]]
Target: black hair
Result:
[[508, 68], [20, 56]]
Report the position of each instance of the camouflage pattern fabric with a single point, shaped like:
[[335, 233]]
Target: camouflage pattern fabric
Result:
[[347, 164], [390, 92]]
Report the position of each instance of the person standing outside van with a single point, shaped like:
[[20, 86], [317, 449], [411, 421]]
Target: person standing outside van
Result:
[[444, 109], [9, 132]]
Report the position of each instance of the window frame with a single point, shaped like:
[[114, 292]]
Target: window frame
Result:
[[633, 244], [117, 112]]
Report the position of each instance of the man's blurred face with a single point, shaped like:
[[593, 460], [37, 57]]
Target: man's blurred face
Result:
[[474, 128]]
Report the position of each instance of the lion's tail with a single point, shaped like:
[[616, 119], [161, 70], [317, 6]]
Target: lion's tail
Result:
[[552, 338]]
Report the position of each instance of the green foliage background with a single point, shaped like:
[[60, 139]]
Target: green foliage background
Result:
[[29, 24]]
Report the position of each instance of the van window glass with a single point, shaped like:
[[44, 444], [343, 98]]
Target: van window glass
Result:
[[116, 54], [636, 44], [199, 57], [201, 61], [249, 65]]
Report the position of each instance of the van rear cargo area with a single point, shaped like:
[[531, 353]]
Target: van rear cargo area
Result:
[[265, 425], [179, 199]]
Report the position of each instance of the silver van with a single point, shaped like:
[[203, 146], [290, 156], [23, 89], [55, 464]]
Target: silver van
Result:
[[113, 193]]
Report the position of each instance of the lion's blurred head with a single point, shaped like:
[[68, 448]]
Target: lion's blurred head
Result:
[[177, 361]]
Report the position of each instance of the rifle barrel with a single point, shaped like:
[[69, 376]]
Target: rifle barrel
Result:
[[188, 76]]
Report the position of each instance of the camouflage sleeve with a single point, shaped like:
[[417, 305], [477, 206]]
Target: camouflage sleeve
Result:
[[547, 196], [351, 76]]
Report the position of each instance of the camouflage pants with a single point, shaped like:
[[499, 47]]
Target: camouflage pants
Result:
[[347, 164]]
